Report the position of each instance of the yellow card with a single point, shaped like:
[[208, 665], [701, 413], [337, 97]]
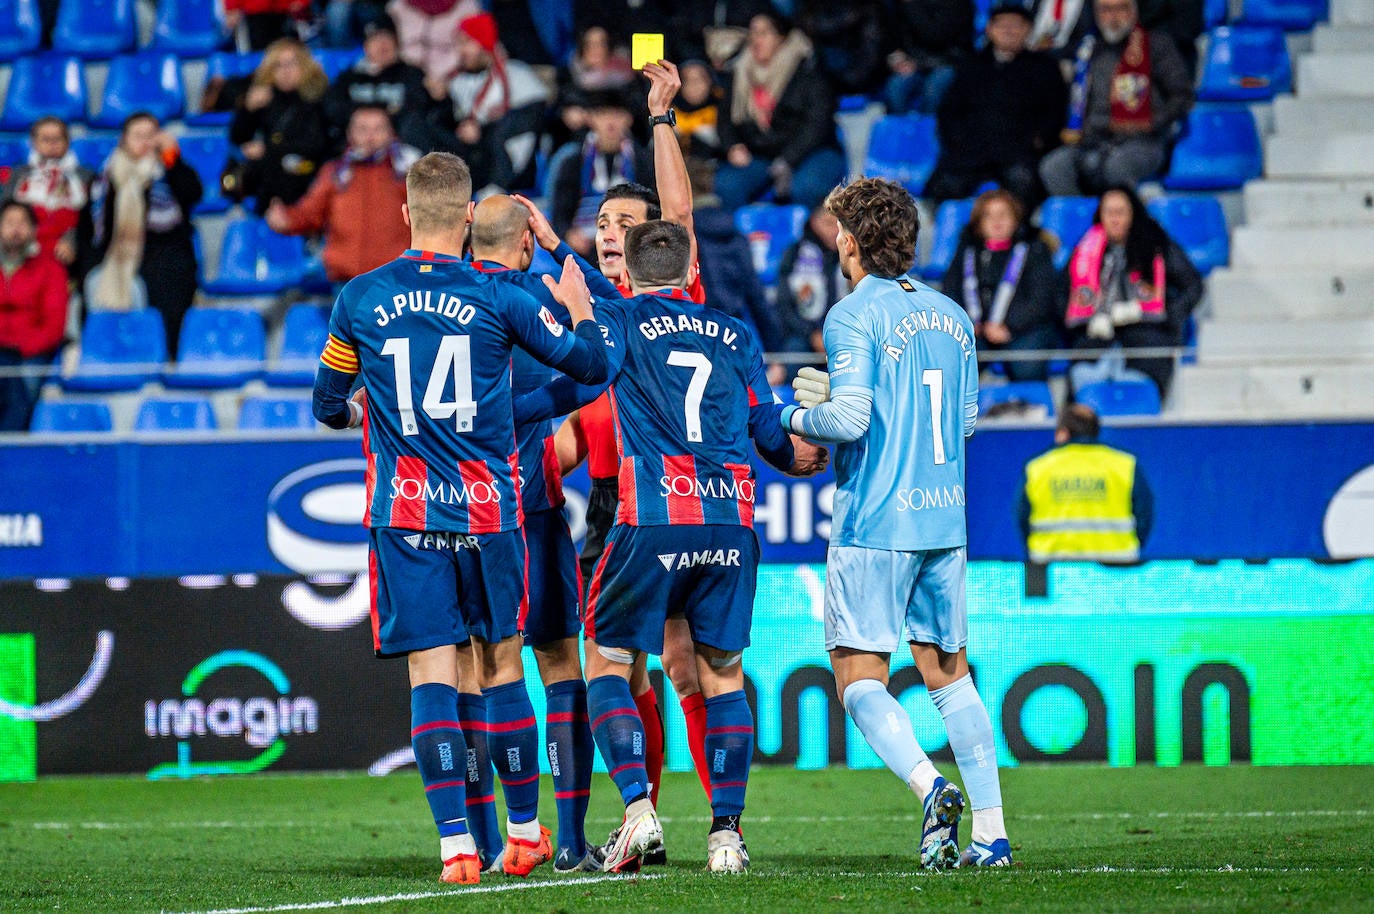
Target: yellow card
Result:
[[645, 47]]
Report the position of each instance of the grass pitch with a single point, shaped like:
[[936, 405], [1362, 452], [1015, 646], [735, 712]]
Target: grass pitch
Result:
[[1086, 839]]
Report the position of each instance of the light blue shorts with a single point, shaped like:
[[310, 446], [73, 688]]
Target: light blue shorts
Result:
[[877, 598]]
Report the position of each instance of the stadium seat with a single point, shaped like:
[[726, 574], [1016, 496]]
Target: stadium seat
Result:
[[1289, 15], [149, 81], [1069, 218], [1198, 224], [189, 28], [337, 60], [254, 260], [302, 340], [44, 84], [291, 413], [950, 220], [1215, 12], [182, 414], [95, 28], [94, 148], [14, 150], [21, 31], [207, 153], [224, 65], [1120, 398], [903, 148], [1220, 149], [70, 416], [119, 351], [218, 347], [1245, 64], [1033, 395], [770, 231]]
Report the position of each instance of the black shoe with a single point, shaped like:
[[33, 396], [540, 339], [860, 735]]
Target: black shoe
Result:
[[655, 858]]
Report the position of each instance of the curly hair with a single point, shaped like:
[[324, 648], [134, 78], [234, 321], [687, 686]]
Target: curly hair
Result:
[[881, 216], [314, 81]]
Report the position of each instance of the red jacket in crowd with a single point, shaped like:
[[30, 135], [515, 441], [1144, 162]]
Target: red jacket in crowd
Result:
[[33, 306]]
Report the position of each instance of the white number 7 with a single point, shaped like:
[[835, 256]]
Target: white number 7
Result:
[[696, 388]]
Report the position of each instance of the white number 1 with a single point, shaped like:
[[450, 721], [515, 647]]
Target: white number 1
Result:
[[934, 379], [696, 388]]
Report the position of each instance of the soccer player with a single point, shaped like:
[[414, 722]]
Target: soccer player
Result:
[[903, 396], [690, 390], [432, 339]]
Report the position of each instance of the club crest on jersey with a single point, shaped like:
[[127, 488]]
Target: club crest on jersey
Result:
[[676, 561], [550, 321]]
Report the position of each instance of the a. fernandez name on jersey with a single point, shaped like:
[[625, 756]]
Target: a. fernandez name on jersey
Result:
[[929, 320]]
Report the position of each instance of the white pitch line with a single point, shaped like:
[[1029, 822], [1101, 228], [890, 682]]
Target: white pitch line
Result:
[[420, 896]]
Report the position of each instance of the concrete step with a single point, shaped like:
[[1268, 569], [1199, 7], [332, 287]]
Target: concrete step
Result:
[[1343, 74], [1270, 248], [1280, 203], [1339, 155], [1342, 39], [1320, 115], [1231, 392], [1352, 12], [1242, 294], [1305, 341]]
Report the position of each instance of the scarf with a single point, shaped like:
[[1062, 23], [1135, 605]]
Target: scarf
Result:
[[1130, 92], [758, 87], [1006, 288], [1054, 23], [399, 155], [433, 7], [1089, 294], [599, 172], [129, 180], [53, 187]]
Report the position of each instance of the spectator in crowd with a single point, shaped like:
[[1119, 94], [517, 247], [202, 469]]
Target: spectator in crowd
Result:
[[1005, 279], [539, 32], [141, 213], [261, 22], [495, 111], [33, 311], [609, 155], [1084, 501], [355, 201], [595, 67], [1130, 286], [724, 23], [622, 18], [932, 36], [810, 283], [1182, 20], [381, 78], [346, 21], [1060, 26], [698, 112], [55, 185], [1002, 112], [781, 130], [427, 30], [1130, 89], [280, 129], [849, 40]]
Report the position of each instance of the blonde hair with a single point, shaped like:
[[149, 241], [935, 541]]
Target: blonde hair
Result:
[[314, 81], [438, 188]]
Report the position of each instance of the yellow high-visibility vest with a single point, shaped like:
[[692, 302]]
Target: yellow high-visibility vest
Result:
[[1080, 505]]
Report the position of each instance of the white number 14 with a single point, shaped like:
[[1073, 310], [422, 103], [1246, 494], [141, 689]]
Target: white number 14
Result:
[[453, 358]]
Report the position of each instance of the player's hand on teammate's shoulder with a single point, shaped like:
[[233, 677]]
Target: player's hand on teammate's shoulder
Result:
[[544, 235], [571, 291], [808, 458]]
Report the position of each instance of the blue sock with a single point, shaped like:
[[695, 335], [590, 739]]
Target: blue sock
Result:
[[619, 734], [885, 725], [439, 754], [481, 780], [970, 736], [729, 751], [570, 760], [513, 740]]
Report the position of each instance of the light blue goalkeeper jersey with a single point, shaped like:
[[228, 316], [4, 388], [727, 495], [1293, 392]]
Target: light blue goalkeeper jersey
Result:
[[907, 350]]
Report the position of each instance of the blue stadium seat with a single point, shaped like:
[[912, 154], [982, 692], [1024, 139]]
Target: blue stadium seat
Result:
[[1031, 393], [149, 81], [70, 416], [290, 413], [21, 31], [44, 84], [303, 336], [1220, 149], [181, 414], [1120, 398], [1214, 13], [950, 220], [189, 28], [119, 351], [770, 231], [1069, 218], [337, 60], [218, 347], [1198, 224], [14, 150], [94, 148], [903, 148], [254, 260], [95, 28], [207, 153], [224, 65], [1289, 15], [1245, 64]]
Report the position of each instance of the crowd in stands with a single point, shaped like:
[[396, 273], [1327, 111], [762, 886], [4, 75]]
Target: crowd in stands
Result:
[[1053, 97]]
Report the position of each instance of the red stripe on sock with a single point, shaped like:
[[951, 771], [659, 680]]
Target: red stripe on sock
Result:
[[628, 766], [618, 712], [716, 731], [478, 801], [442, 784], [722, 785], [570, 794], [509, 726], [521, 783], [560, 717], [434, 725]]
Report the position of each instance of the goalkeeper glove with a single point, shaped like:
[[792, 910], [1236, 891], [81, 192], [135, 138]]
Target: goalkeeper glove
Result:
[[812, 387]]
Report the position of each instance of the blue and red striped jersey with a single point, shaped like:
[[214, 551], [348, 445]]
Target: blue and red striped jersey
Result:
[[688, 377]]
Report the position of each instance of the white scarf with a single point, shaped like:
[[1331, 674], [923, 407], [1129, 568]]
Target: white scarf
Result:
[[129, 182]]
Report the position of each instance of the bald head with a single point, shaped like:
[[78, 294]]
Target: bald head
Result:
[[499, 225]]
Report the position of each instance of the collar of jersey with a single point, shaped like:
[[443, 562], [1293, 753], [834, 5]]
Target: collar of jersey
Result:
[[489, 266], [430, 257], [676, 294]]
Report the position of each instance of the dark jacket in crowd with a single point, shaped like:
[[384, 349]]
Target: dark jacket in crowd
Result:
[[998, 113], [851, 42], [296, 134], [1039, 298], [933, 32], [1171, 86], [727, 273], [400, 89], [803, 122], [809, 285]]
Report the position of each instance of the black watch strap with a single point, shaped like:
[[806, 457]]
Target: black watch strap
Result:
[[670, 119]]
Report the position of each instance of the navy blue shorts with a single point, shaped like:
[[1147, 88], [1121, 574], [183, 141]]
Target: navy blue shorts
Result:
[[432, 589], [707, 573], [555, 582]]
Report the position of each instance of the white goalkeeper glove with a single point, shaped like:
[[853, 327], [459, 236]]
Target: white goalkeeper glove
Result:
[[812, 387]]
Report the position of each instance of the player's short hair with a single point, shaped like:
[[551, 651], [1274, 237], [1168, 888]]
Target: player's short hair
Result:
[[658, 253], [632, 191], [438, 188], [1079, 420], [881, 216], [498, 227]]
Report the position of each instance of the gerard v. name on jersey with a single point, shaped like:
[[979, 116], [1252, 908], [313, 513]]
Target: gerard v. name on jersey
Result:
[[667, 324], [918, 321], [425, 301]]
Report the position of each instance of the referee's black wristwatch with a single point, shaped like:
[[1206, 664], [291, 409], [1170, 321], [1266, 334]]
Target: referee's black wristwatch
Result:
[[670, 119]]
